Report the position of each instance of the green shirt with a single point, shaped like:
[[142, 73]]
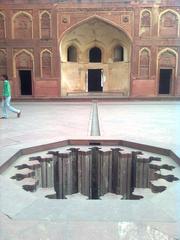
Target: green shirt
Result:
[[6, 89]]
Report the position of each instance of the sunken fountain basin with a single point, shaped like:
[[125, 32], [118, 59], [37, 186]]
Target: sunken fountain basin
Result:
[[93, 169]]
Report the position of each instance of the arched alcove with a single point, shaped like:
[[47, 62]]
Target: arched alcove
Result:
[[23, 70], [145, 23], [72, 54], [22, 27], [118, 54], [2, 26], [45, 25], [169, 22], [95, 40], [46, 63], [95, 54], [3, 62], [167, 70], [144, 63]]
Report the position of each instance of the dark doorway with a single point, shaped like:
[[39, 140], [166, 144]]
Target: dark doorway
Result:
[[25, 82], [95, 55], [94, 80], [165, 81]]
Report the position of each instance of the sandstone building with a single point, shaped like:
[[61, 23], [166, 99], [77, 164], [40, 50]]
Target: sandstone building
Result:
[[56, 48]]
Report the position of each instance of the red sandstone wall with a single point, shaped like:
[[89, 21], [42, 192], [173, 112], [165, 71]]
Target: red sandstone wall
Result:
[[60, 14], [143, 88], [48, 88]]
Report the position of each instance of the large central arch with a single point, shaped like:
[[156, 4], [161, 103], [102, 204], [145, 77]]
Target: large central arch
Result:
[[111, 70]]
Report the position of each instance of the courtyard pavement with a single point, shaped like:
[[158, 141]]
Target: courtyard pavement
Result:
[[152, 123], [24, 216]]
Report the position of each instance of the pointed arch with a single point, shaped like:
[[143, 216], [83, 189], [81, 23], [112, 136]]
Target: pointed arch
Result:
[[169, 61], [144, 63], [22, 25], [124, 45], [92, 45], [145, 22], [118, 53], [95, 38], [125, 38], [45, 25], [72, 53], [2, 26], [3, 62], [146, 18], [171, 25], [24, 51], [95, 54], [46, 63], [22, 12], [145, 49], [24, 61], [117, 26], [168, 50]]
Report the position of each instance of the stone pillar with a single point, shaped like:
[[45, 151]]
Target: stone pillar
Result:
[[115, 171], [105, 172], [110, 172], [87, 173], [79, 171], [146, 173], [94, 172], [50, 174], [123, 175], [133, 172], [38, 176], [83, 175], [58, 167], [129, 175], [74, 169], [43, 174]]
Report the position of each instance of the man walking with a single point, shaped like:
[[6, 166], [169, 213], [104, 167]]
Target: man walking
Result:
[[6, 98]]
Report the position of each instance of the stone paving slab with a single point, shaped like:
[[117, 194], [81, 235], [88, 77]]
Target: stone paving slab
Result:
[[28, 207], [42, 123], [45, 230], [13, 198], [169, 200], [94, 210], [153, 123]]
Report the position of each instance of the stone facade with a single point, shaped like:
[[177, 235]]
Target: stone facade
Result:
[[57, 48]]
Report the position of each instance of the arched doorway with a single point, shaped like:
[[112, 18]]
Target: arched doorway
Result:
[[94, 80], [98, 68], [24, 62], [165, 79], [25, 82], [94, 75], [167, 63], [95, 54]]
